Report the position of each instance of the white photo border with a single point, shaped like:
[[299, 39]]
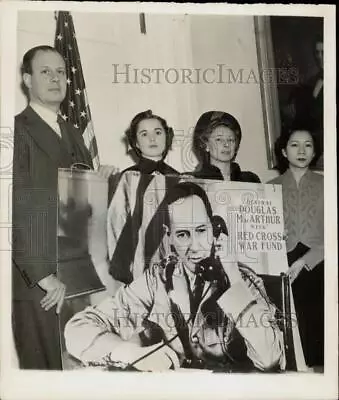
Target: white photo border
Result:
[[18, 384]]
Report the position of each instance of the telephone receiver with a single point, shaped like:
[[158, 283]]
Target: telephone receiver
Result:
[[209, 269]]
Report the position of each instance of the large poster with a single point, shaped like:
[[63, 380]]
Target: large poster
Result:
[[249, 217], [252, 213]]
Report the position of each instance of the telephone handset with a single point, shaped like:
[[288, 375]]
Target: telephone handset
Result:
[[210, 269]]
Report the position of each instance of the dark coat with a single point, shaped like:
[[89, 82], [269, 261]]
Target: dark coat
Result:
[[38, 153], [147, 166], [209, 171]]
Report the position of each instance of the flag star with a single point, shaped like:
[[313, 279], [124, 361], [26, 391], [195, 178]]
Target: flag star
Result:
[[76, 126], [68, 81], [64, 117], [70, 47], [66, 24], [78, 91], [71, 103], [73, 70], [59, 37], [83, 114]]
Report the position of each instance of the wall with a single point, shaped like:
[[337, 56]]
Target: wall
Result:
[[171, 41], [231, 42]]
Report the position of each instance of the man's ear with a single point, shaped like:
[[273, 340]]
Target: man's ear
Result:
[[166, 229], [27, 79], [167, 243]]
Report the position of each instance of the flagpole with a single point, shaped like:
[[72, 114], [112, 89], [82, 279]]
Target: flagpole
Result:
[[75, 107]]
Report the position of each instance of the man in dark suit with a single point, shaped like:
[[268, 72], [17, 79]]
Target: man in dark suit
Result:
[[43, 142]]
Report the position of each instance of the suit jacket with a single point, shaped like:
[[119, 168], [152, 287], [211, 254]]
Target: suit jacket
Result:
[[108, 328], [38, 153]]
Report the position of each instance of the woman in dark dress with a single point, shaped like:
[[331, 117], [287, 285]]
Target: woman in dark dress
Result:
[[216, 141], [303, 202], [138, 191]]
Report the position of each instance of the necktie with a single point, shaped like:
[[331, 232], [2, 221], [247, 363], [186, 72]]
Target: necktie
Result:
[[56, 128], [64, 135], [196, 294]]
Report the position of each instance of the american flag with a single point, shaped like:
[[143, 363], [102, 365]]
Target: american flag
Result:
[[75, 108]]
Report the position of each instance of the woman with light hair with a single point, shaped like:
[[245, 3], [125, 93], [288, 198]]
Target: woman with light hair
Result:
[[216, 141]]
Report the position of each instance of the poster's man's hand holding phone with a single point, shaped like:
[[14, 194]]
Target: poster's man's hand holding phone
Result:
[[219, 268], [231, 269]]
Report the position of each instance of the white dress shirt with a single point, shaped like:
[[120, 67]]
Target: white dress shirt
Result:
[[49, 116]]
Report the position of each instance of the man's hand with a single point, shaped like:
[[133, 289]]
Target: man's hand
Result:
[[55, 293], [295, 269], [232, 271], [105, 171], [230, 266]]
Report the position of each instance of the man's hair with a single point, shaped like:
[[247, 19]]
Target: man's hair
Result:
[[184, 190], [26, 67]]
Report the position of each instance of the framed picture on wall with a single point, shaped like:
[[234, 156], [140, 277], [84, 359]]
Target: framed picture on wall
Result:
[[290, 56]]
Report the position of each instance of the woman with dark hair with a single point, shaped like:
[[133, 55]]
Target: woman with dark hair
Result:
[[216, 141], [303, 200], [137, 195], [150, 138]]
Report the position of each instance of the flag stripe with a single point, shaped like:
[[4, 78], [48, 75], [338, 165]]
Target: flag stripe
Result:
[[75, 107]]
